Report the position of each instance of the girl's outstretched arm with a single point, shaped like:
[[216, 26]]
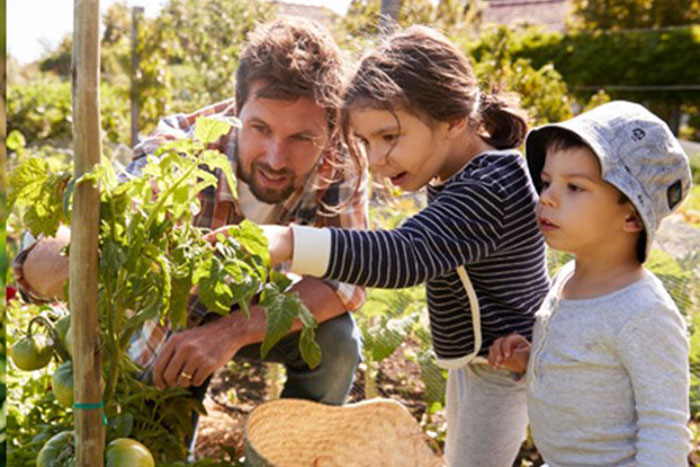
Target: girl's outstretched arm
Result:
[[424, 247], [462, 225], [468, 221], [450, 232]]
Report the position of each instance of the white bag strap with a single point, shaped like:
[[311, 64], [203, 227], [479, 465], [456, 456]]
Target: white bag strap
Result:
[[476, 315]]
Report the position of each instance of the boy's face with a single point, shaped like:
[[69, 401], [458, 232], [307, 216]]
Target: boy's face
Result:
[[578, 211]]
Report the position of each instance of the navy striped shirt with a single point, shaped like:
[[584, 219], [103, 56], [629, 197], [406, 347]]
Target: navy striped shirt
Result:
[[482, 218]]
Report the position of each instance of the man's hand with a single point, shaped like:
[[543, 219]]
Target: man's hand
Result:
[[280, 240], [511, 352], [189, 357], [200, 351], [45, 269]]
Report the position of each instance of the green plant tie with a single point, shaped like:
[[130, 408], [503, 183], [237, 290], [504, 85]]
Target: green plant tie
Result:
[[98, 405]]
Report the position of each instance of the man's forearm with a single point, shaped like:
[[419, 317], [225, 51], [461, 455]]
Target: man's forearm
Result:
[[317, 295]]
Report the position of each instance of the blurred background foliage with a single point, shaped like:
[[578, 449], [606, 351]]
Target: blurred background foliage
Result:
[[642, 50]]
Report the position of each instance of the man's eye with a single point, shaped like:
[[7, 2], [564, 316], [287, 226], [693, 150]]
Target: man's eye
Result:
[[260, 128], [573, 187], [545, 184]]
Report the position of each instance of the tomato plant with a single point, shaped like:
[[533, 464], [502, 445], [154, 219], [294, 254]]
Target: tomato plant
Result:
[[150, 258]]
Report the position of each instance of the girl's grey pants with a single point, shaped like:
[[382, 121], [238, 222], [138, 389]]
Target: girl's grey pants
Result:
[[486, 416]]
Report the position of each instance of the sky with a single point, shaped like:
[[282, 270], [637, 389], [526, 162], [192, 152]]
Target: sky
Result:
[[34, 26]]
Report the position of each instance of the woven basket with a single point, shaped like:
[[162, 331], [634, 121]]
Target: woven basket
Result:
[[378, 432]]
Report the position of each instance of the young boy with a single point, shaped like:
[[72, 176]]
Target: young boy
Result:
[[607, 377]]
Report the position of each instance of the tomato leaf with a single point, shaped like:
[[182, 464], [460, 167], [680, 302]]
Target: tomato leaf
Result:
[[385, 337], [215, 294], [280, 316], [15, 140], [309, 348], [208, 130], [279, 280], [216, 160], [121, 425], [252, 239]]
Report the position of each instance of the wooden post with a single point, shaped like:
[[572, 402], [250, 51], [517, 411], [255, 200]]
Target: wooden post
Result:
[[3, 159], [136, 13], [389, 15], [85, 73]]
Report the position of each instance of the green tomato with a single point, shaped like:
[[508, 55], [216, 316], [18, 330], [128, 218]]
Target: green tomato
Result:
[[68, 342], [32, 352], [125, 452], [59, 451], [62, 383], [63, 328]]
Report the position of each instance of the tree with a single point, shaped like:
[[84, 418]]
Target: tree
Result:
[[201, 41], [188, 53], [631, 14], [448, 16]]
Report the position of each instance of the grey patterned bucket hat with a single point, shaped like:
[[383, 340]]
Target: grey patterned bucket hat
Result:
[[638, 155]]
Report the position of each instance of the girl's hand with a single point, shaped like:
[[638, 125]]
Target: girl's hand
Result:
[[511, 352], [211, 236], [279, 239]]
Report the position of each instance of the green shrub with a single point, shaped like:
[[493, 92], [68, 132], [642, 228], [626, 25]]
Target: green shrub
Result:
[[41, 110]]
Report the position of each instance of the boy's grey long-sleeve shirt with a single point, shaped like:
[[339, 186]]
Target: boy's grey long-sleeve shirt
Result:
[[608, 378]]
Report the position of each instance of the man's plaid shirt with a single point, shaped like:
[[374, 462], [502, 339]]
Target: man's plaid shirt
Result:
[[327, 186]]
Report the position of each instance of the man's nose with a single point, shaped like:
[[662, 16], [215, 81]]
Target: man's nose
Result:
[[276, 156]]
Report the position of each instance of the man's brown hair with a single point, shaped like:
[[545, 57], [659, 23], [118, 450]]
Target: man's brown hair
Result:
[[295, 58]]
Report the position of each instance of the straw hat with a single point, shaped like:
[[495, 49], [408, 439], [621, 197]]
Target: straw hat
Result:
[[292, 432]]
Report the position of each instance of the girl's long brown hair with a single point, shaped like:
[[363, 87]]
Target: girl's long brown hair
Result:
[[421, 71]]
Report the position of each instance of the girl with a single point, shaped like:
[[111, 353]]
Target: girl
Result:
[[414, 111]]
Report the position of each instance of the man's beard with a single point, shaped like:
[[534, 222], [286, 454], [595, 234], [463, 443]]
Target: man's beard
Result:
[[267, 195]]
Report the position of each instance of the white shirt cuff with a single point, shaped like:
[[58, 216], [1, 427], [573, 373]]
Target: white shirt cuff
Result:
[[312, 250]]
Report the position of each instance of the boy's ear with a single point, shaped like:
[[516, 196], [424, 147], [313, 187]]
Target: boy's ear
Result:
[[633, 223]]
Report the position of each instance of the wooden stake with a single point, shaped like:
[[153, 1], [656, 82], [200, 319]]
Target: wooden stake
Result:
[[389, 15], [85, 73], [3, 130], [136, 14]]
